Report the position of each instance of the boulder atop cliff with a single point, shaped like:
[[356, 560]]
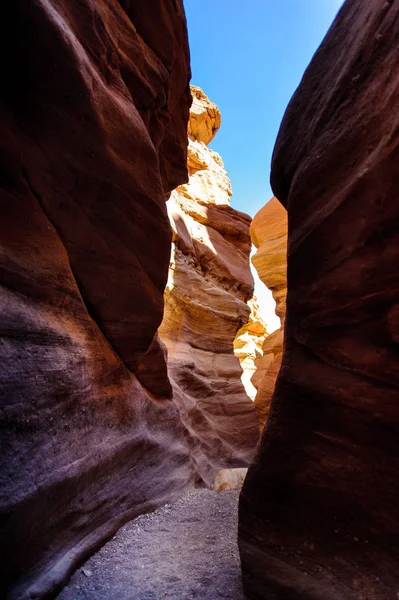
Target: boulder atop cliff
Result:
[[205, 117]]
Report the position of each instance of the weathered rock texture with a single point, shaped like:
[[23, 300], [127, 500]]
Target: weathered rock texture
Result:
[[205, 304], [319, 515], [94, 111], [248, 346], [269, 235]]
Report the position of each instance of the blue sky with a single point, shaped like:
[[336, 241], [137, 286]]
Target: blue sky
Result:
[[249, 57]]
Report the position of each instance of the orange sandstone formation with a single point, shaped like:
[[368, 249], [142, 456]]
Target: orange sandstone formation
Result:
[[206, 303], [269, 235], [248, 345], [319, 517]]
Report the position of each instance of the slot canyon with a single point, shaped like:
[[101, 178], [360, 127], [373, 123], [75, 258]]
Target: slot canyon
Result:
[[138, 367]]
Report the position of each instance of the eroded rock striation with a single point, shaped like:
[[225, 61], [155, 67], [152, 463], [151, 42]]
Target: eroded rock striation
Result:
[[95, 103], [206, 303], [269, 235], [318, 513]]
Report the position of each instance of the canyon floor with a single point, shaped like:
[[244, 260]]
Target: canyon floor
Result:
[[183, 551]]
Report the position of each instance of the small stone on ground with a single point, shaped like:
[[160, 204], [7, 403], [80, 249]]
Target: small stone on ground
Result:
[[184, 551]]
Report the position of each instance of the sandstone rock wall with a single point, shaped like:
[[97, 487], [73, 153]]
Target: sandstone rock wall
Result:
[[94, 111], [269, 235], [206, 303], [248, 345], [318, 513]]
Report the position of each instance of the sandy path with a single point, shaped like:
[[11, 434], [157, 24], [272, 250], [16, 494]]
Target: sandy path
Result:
[[183, 551]]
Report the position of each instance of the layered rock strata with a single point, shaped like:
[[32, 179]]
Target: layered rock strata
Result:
[[318, 512], [94, 112], [269, 236], [206, 303]]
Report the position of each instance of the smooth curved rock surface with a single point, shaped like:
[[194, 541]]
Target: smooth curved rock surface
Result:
[[94, 112], [269, 236], [206, 304], [319, 514]]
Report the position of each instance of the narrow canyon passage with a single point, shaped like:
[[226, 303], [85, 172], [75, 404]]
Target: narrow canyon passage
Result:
[[187, 550]]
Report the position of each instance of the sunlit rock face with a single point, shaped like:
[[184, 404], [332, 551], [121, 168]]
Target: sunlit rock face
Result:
[[204, 120], [248, 345], [269, 235], [94, 112], [206, 303], [229, 479], [319, 514], [209, 182]]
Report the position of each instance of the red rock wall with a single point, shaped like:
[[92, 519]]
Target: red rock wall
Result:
[[319, 514], [94, 132]]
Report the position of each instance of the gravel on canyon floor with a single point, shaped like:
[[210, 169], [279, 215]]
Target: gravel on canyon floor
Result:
[[183, 551]]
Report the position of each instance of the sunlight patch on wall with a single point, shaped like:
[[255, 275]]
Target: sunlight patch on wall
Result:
[[265, 300]]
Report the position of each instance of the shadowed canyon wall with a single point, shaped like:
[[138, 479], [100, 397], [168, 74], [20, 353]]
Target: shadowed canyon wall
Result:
[[94, 116], [319, 514], [269, 236], [206, 303]]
